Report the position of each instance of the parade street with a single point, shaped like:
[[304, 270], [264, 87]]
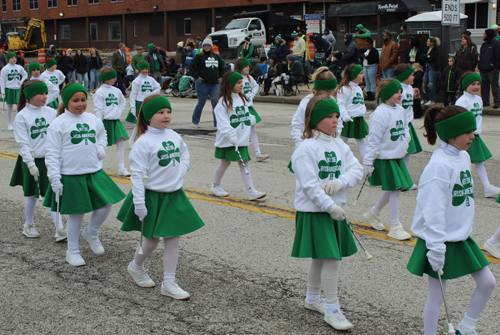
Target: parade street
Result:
[[237, 268]]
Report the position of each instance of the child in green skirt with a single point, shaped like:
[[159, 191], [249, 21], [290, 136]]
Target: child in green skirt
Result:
[[324, 168], [11, 79], [35, 71], [30, 132], [75, 148], [444, 216], [159, 160], [233, 130], [55, 76]]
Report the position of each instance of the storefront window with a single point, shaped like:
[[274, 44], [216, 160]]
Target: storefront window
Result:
[[115, 33], [478, 15]]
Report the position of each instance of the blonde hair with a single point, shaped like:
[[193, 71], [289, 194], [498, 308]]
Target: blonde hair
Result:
[[381, 85], [417, 67], [105, 69], [308, 132], [321, 73]]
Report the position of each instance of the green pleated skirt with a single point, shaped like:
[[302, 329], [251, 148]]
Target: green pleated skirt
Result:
[[478, 151], [289, 166], [230, 155], [414, 147], [461, 258], [318, 236], [357, 128], [169, 215], [54, 104], [84, 193], [22, 177], [391, 174], [12, 96], [114, 130], [254, 113], [130, 117]]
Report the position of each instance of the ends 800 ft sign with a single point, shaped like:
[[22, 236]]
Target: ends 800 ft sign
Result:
[[451, 12]]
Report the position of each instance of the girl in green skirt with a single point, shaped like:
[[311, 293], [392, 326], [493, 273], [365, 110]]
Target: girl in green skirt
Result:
[[75, 148], [389, 137], [324, 168], [470, 86], [109, 104], [11, 79], [30, 132], [233, 130], [444, 216], [157, 204]]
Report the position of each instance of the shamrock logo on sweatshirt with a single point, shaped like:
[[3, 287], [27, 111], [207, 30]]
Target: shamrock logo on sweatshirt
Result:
[[407, 102], [477, 110], [171, 153], [398, 131], [211, 62], [463, 192], [330, 167], [13, 75], [247, 88], [358, 99], [39, 129], [111, 100], [54, 80], [83, 133], [242, 117], [146, 87]]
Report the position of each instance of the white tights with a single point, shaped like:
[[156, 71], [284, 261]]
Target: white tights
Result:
[[255, 139], [134, 133], [10, 108], [481, 172], [29, 211], [222, 167], [361, 145], [391, 198], [323, 273], [120, 153], [170, 255], [407, 159], [75, 223], [485, 282]]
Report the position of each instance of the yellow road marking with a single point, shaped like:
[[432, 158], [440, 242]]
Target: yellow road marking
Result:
[[263, 208]]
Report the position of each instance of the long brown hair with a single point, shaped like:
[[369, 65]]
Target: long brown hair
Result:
[[237, 67], [435, 115], [321, 73], [22, 99], [142, 125], [400, 68], [308, 132], [460, 88], [346, 78], [225, 91]]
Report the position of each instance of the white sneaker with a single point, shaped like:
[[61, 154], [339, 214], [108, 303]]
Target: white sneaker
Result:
[[94, 242], [168, 91], [374, 221], [74, 258], [493, 249], [399, 233], [30, 231], [141, 277], [218, 191], [61, 235], [337, 320], [172, 289], [317, 305], [429, 103], [466, 332], [254, 194], [414, 187], [124, 173], [9, 127], [491, 192], [262, 156], [130, 143]]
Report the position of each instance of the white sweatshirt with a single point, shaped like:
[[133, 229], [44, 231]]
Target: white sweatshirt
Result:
[[351, 101], [407, 101], [162, 155], [30, 131], [72, 142], [389, 134], [230, 122], [109, 103], [53, 89], [318, 160], [473, 103], [250, 89], [11, 75], [142, 87], [56, 77], [299, 120], [445, 199]]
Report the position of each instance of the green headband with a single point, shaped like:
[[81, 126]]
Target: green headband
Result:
[[356, 71], [390, 90], [107, 76], [34, 66], [405, 74], [69, 90], [456, 126], [235, 77], [151, 107], [51, 64], [322, 110], [9, 56], [35, 89], [144, 65], [470, 79], [244, 64], [325, 85]]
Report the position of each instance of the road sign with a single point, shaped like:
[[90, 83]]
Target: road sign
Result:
[[451, 13], [316, 17]]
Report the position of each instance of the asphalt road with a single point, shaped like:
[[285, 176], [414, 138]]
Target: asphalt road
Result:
[[238, 267]]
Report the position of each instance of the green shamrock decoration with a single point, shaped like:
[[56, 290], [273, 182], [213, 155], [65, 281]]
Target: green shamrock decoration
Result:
[[111, 100], [13, 75], [330, 167], [463, 192], [247, 88], [171, 153], [242, 117], [146, 87], [53, 80], [398, 132], [358, 99], [477, 110], [407, 102], [83, 133], [39, 129]]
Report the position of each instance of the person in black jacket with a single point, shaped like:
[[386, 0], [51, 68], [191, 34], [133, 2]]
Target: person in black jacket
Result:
[[489, 64], [80, 64], [370, 66], [430, 57], [281, 48], [321, 45], [449, 81], [418, 77], [351, 54], [275, 71], [413, 53], [64, 64]]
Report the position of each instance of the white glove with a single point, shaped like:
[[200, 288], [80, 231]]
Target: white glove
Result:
[[337, 213], [253, 120], [3, 97], [219, 81], [19, 82], [346, 118], [436, 260], [233, 140], [368, 170], [101, 153], [141, 212], [184, 170], [57, 188], [199, 80], [332, 187], [34, 172]]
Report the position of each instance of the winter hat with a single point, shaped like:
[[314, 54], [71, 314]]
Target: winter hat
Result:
[[139, 48], [490, 34], [290, 57], [452, 59], [71, 89], [191, 45], [360, 27], [154, 105], [32, 90], [294, 34], [322, 110], [9, 56], [278, 38], [273, 47], [208, 40], [327, 30], [34, 66], [247, 38], [180, 44], [143, 65]]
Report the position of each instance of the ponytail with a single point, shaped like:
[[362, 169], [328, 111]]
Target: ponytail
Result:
[[438, 114]]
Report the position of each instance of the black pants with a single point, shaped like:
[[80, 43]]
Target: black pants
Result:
[[452, 98], [127, 80], [417, 109], [268, 82], [119, 81], [488, 79]]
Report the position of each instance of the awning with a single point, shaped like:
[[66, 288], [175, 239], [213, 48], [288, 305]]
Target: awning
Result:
[[352, 9], [398, 6]]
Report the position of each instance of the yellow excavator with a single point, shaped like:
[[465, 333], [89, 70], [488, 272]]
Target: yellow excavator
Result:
[[24, 39]]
